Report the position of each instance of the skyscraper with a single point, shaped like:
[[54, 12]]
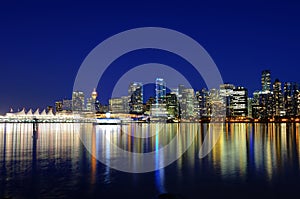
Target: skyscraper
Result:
[[291, 92], [172, 105], [240, 101], [266, 80], [160, 91], [90, 102], [116, 105], [58, 106], [266, 104], [97, 106], [94, 95], [125, 100], [187, 103], [202, 103], [255, 105], [226, 91], [67, 105], [78, 101], [135, 93], [278, 98], [150, 102]]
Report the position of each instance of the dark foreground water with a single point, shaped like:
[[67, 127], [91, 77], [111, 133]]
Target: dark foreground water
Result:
[[249, 161]]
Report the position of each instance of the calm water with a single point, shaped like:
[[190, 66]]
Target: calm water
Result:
[[249, 160]]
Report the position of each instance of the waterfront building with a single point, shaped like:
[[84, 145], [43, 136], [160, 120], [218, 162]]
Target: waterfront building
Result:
[[250, 108], [172, 105], [116, 105], [291, 93], [89, 104], [148, 105], [158, 112], [103, 109], [278, 99], [67, 105], [255, 105], [175, 91], [49, 109], [187, 103], [197, 107], [216, 105], [239, 101], [226, 91], [78, 101], [160, 91], [135, 93], [97, 106], [266, 104], [159, 109], [266, 80], [58, 106], [202, 103], [125, 101], [94, 96], [298, 104]]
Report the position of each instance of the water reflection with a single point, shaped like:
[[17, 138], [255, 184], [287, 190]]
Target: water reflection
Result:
[[133, 153], [54, 162], [269, 149]]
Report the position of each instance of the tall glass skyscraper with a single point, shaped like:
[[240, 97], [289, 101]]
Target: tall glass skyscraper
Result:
[[266, 80], [278, 98], [291, 93], [239, 101], [135, 93], [226, 91], [78, 101], [160, 91]]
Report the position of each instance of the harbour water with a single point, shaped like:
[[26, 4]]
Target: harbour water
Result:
[[62, 161]]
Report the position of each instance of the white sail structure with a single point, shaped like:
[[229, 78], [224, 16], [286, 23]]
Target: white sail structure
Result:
[[29, 113], [37, 112], [29, 116], [43, 113], [21, 113]]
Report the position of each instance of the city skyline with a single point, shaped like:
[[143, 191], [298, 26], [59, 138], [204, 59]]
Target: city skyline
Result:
[[275, 99], [43, 45], [149, 99]]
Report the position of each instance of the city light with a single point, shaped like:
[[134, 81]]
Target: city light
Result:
[[272, 104]]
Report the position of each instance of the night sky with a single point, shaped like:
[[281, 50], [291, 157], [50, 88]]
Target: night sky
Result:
[[43, 43]]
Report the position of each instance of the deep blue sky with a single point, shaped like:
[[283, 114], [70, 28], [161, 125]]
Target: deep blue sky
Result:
[[43, 43]]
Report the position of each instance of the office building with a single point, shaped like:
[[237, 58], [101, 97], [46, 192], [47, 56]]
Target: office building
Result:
[[90, 102], [291, 93], [202, 103], [97, 106], [126, 101], [226, 91], [58, 106], [67, 105], [266, 80], [135, 93], [116, 105], [187, 103], [172, 105], [278, 99], [255, 105], [78, 101], [239, 102], [160, 91]]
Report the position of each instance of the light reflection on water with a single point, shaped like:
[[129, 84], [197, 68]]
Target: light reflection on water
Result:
[[56, 164]]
